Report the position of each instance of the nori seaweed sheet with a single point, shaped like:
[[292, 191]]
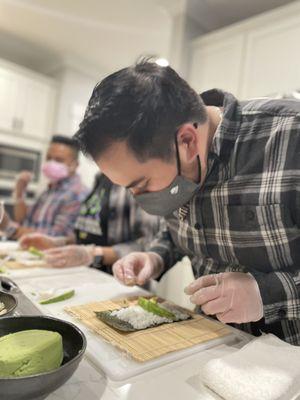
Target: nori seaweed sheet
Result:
[[114, 322]]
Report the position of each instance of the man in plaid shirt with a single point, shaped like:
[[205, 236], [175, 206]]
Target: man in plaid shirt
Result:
[[226, 176]]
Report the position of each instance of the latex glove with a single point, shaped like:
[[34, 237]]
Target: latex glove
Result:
[[22, 182], [138, 268], [231, 296], [69, 256], [40, 241]]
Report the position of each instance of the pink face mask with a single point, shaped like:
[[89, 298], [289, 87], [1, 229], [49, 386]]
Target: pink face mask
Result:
[[55, 171]]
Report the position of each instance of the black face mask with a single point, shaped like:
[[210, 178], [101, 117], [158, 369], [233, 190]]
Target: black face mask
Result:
[[170, 199]]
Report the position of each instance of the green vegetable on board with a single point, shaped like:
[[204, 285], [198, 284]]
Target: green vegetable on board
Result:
[[36, 252], [154, 308], [64, 296]]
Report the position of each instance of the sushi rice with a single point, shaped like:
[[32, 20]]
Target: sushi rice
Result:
[[142, 319], [138, 317]]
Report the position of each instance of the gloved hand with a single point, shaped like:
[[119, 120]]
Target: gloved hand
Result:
[[41, 241], [70, 256], [138, 268], [231, 296], [22, 182]]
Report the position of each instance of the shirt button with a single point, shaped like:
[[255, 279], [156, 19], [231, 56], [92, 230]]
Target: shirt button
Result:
[[282, 313], [250, 215], [197, 226]]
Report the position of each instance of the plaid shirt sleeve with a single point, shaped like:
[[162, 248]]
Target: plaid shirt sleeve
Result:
[[55, 211], [163, 245], [64, 221]]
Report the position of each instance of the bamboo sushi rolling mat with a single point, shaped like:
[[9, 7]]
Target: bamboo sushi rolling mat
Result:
[[145, 345]]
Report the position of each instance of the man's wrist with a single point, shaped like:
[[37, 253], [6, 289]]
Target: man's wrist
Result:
[[98, 251]]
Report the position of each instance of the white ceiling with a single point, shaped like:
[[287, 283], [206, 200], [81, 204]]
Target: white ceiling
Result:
[[106, 34]]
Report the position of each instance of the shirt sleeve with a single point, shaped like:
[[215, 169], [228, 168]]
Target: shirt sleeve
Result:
[[64, 221], [163, 245]]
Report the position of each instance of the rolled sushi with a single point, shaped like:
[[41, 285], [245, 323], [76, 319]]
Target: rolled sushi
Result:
[[146, 314]]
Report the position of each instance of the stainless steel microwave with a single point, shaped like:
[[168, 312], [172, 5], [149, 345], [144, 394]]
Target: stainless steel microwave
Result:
[[15, 159]]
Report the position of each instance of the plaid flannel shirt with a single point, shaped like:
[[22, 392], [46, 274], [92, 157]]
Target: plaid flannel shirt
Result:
[[56, 209], [246, 216]]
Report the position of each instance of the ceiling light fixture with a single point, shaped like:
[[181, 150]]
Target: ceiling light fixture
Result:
[[162, 62]]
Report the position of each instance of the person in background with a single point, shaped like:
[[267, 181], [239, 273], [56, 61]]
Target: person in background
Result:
[[224, 174], [109, 226], [56, 209]]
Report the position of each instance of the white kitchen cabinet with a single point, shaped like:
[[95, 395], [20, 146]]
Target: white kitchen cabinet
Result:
[[272, 62], [26, 102], [38, 109], [217, 64], [254, 58], [8, 96]]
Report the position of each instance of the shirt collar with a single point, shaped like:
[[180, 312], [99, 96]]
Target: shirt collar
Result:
[[226, 133], [70, 180]]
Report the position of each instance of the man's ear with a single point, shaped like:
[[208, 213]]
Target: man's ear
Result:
[[187, 139]]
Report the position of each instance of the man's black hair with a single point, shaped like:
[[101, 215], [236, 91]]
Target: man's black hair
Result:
[[144, 105], [68, 141]]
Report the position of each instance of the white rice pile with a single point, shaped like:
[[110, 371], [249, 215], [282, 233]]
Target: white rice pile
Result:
[[139, 318]]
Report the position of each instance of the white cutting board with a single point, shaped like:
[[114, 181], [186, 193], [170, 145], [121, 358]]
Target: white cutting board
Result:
[[96, 286]]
